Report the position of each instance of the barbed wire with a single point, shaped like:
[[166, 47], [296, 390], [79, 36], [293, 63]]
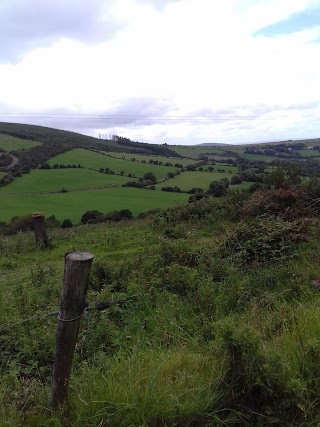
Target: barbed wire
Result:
[[87, 308]]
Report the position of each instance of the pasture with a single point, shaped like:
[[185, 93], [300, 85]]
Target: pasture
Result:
[[188, 180], [226, 168], [309, 153], [10, 143], [73, 205], [140, 157], [43, 180], [261, 157], [195, 151], [90, 159]]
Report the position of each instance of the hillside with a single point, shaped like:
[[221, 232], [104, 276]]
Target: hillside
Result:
[[213, 317], [34, 159], [71, 139]]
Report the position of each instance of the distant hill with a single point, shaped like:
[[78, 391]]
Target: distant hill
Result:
[[69, 140]]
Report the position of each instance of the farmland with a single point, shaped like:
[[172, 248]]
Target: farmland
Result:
[[73, 205], [188, 180], [194, 152], [89, 159], [142, 158], [38, 181], [10, 143]]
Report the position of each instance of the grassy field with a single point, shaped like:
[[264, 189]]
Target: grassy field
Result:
[[267, 159], [226, 168], [139, 157], [43, 180], [9, 143], [197, 150], [309, 153], [73, 205], [188, 180], [94, 160]]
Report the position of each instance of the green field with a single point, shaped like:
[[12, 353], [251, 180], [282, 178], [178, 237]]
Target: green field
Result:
[[73, 205], [197, 150], [9, 143], [139, 157], [39, 180], [2, 174], [188, 180], [309, 153], [260, 157], [90, 159], [226, 168]]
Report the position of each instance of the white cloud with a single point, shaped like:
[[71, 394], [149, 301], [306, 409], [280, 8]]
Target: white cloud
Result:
[[190, 55]]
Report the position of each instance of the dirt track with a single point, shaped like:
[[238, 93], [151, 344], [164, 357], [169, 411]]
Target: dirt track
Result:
[[13, 162]]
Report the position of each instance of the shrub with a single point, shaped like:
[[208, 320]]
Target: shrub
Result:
[[20, 223], [235, 180], [126, 214], [92, 217], [150, 176], [265, 239], [287, 203], [67, 223], [218, 188]]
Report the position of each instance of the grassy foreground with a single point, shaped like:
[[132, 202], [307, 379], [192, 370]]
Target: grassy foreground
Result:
[[222, 328]]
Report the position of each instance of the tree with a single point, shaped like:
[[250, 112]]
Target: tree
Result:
[[235, 180], [150, 176], [218, 188]]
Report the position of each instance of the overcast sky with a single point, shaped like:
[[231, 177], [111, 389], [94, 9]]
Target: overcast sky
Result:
[[174, 71]]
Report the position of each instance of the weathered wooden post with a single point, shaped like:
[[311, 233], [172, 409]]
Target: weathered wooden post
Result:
[[72, 304], [42, 240]]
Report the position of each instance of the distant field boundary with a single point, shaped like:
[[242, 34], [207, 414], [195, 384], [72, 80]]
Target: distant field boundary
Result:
[[67, 191]]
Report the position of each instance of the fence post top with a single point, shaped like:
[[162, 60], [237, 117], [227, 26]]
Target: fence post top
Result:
[[78, 256], [37, 215]]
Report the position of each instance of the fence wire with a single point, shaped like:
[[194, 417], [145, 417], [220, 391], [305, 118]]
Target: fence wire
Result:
[[99, 307]]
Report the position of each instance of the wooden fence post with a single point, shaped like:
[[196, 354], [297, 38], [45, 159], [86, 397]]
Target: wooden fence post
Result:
[[42, 240], [72, 303]]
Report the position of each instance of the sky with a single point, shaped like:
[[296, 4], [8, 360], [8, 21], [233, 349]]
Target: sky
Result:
[[163, 71]]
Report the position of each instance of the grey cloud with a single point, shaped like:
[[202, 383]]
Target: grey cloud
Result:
[[35, 23], [132, 112]]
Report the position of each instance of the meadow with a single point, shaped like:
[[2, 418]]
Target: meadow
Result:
[[140, 157], [90, 159], [309, 153], [197, 150], [48, 180], [10, 143], [259, 157], [73, 205], [188, 180], [227, 168]]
